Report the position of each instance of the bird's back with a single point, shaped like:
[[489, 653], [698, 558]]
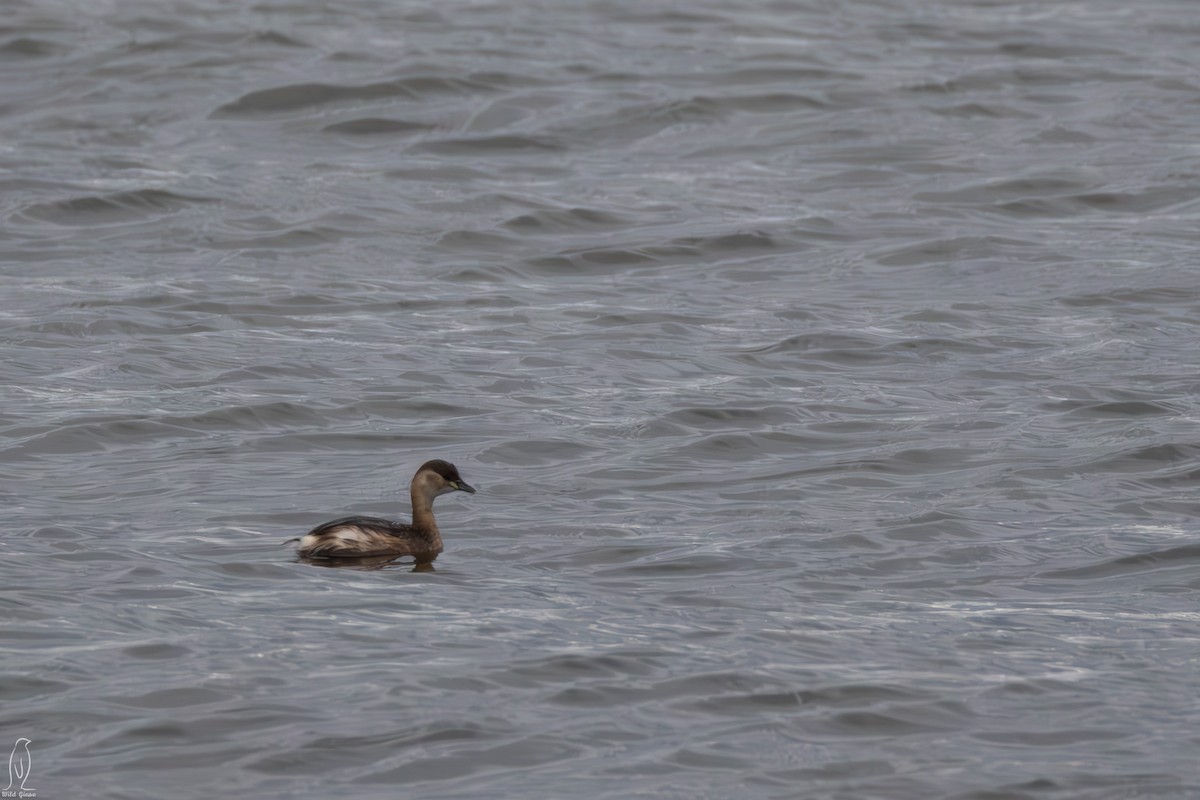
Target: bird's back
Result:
[[367, 536]]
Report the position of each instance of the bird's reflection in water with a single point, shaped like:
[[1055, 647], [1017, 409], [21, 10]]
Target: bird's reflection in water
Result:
[[369, 563]]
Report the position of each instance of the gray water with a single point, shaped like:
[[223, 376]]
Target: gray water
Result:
[[828, 371]]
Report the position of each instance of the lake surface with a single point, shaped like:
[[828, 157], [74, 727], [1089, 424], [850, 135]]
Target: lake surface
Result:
[[828, 370]]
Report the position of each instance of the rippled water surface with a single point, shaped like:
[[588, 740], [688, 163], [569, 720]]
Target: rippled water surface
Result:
[[828, 371]]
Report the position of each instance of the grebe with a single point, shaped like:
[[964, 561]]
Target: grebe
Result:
[[357, 537]]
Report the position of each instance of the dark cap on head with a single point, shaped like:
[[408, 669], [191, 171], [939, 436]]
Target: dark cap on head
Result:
[[449, 474], [443, 468]]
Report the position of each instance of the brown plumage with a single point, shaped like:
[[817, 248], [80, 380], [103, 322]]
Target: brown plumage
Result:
[[358, 537]]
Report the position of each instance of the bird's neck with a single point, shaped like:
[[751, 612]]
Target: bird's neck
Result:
[[422, 512]]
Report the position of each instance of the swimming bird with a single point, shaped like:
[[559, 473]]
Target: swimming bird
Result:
[[358, 537]]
